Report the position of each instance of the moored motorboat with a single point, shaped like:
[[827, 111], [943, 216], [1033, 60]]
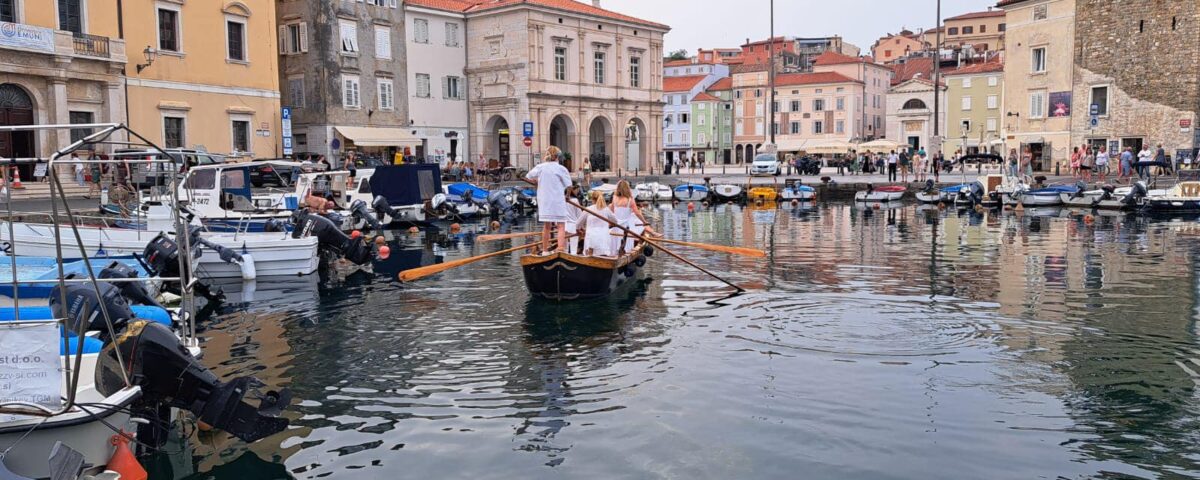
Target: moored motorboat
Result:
[[563, 276], [1048, 196], [939, 195], [691, 192], [794, 190], [727, 192], [1183, 197], [651, 192], [606, 189], [1110, 197], [887, 193]]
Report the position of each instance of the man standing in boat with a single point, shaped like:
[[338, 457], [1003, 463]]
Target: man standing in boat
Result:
[[552, 179]]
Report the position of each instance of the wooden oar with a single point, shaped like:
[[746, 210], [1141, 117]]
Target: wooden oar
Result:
[[504, 236], [749, 252], [422, 272]]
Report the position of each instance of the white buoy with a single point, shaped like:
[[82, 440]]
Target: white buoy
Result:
[[248, 271]]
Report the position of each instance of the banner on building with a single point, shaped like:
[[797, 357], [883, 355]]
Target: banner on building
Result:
[[28, 37], [1060, 104]]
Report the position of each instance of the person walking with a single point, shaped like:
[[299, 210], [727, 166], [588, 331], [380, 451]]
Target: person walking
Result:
[[1126, 167], [1076, 158], [349, 164], [918, 164], [1160, 157], [937, 167], [551, 180], [96, 173], [893, 161], [1143, 158], [1012, 162], [905, 163], [1027, 164], [1102, 163], [78, 166], [587, 171], [1086, 163]]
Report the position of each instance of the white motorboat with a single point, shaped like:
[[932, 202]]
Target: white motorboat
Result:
[[271, 253], [652, 192], [1109, 197], [1184, 197], [219, 196], [691, 192], [1046, 197], [794, 190], [606, 189], [727, 192], [889, 193]]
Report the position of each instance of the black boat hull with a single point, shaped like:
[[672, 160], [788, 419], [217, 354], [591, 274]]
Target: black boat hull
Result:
[[564, 277]]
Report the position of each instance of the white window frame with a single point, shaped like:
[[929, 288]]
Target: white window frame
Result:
[[841, 103], [560, 64], [245, 38], [993, 80], [175, 7], [180, 114], [348, 45], [1033, 59], [635, 71], [351, 99], [701, 139], [966, 82], [993, 102], [383, 49], [452, 34], [452, 92], [795, 128], [417, 85], [966, 103], [991, 124], [420, 35], [700, 120], [242, 117], [1040, 110], [285, 38], [1107, 98], [386, 92], [599, 65], [741, 129]]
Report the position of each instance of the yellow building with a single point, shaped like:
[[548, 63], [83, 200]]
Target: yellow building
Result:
[[983, 31], [204, 74], [974, 108], [1038, 76], [60, 63]]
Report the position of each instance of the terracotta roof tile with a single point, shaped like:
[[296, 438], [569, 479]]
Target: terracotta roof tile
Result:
[[566, 5], [682, 84], [913, 67], [984, 67], [459, 6], [789, 79], [834, 58], [984, 14], [705, 97], [721, 85]]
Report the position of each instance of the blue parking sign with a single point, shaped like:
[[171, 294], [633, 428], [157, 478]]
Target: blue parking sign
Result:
[[527, 129], [287, 113]]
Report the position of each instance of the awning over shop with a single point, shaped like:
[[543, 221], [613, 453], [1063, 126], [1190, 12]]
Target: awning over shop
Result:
[[829, 146], [791, 145], [379, 136]]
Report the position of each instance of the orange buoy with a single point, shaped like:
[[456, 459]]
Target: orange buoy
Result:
[[123, 461], [455, 228], [385, 252], [355, 235], [875, 206], [379, 240], [414, 230], [1089, 219], [691, 207], [495, 225]]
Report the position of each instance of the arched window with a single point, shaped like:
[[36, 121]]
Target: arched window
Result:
[[12, 96], [914, 104]]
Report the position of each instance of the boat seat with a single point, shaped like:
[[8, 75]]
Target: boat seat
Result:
[[1189, 189]]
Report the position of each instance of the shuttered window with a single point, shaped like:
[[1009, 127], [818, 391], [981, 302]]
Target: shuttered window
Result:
[[387, 97], [423, 85], [451, 34], [420, 30], [383, 42], [349, 36], [351, 92]]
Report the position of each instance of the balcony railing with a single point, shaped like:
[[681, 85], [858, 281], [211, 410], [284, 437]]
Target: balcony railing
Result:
[[91, 45]]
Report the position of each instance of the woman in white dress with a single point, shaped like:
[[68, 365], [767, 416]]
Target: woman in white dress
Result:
[[577, 220], [598, 242], [551, 179], [628, 215]]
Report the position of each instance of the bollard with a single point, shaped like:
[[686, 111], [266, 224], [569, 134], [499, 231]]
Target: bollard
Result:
[[1058, 169]]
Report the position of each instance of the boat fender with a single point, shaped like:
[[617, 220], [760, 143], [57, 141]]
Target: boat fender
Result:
[[640, 260], [249, 272], [627, 271], [122, 461], [648, 251]]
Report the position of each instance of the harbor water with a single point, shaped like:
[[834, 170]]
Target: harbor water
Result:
[[898, 342]]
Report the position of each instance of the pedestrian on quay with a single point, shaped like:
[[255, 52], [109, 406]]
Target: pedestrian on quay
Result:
[[880, 162], [936, 167], [1187, 161], [666, 166], [841, 166], [95, 173], [893, 161], [918, 165], [1012, 162], [349, 165], [587, 171], [1160, 157], [78, 169], [905, 164], [1144, 157], [1027, 164], [1085, 164], [1076, 158], [701, 162], [1102, 163], [551, 180], [1126, 167]]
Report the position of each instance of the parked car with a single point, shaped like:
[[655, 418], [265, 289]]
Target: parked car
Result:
[[765, 164], [146, 171]]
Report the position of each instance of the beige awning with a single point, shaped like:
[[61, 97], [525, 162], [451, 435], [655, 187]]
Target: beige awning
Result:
[[829, 146], [791, 145], [379, 136]]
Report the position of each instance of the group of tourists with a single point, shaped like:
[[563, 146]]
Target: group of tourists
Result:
[[91, 173], [677, 165], [562, 217]]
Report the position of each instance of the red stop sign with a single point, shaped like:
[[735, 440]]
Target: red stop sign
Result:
[[528, 142]]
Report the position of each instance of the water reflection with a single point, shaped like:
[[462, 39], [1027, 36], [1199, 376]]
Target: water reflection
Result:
[[890, 342]]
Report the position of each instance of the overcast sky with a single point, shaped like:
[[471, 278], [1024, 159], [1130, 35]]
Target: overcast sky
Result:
[[727, 23]]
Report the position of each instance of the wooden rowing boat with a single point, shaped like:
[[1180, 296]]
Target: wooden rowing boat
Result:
[[563, 276]]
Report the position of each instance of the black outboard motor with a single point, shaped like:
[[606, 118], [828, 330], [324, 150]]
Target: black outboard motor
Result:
[[502, 202], [274, 225], [1137, 193], [383, 207], [1107, 192], [329, 237], [133, 291], [83, 307], [930, 187], [1080, 187], [169, 375], [161, 258], [358, 209]]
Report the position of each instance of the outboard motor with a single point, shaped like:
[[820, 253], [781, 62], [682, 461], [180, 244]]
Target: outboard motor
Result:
[[358, 209], [169, 376], [383, 207], [133, 291], [330, 237], [1137, 193], [82, 310], [930, 187], [1080, 187], [161, 258], [1107, 192], [501, 202], [274, 225]]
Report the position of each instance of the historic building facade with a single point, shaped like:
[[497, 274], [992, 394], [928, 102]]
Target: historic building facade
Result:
[[58, 67], [589, 79], [712, 123], [343, 67], [974, 101], [910, 113], [1038, 79], [203, 74], [437, 63], [1143, 82], [982, 31]]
